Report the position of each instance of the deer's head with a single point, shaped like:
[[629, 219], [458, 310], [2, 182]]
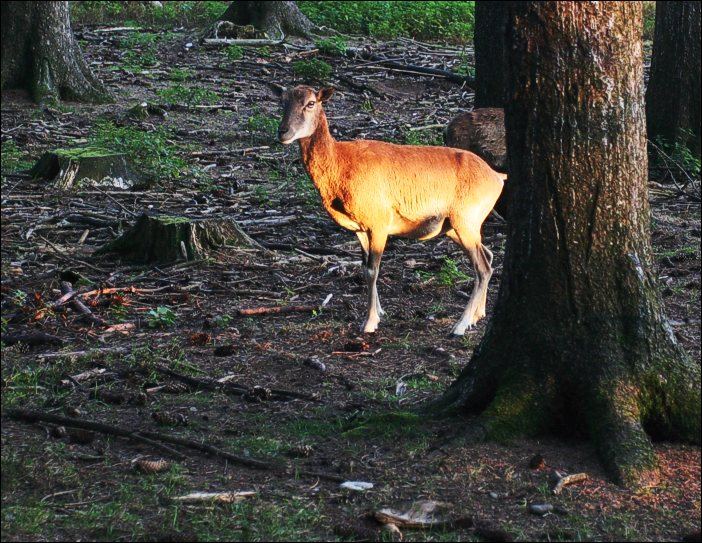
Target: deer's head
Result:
[[302, 108]]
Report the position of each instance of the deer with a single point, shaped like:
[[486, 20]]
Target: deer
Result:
[[378, 189]]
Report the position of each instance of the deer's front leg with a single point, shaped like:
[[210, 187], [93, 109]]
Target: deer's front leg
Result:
[[376, 246], [363, 238]]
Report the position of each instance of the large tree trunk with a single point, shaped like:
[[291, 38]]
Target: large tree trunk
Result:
[[40, 54], [274, 18], [579, 340], [490, 55], [673, 95]]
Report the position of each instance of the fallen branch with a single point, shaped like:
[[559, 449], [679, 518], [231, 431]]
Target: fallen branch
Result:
[[254, 42], [229, 387], [210, 497], [152, 438], [79, 306], [32, 338], [26, 415], [451, 76], [276, 310]]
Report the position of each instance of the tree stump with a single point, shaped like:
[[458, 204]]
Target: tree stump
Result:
[[482, 131], [275, 19], [68, 167], [164, 238]]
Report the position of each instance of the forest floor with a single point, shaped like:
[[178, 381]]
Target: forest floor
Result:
[[355, 420]]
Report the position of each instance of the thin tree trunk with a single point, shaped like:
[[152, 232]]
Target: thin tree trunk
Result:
[[40, 54], [273, 17], [579, 341], [490, 59], [673, 94]]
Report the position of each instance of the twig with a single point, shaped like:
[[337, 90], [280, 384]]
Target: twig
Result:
[[561, 482]]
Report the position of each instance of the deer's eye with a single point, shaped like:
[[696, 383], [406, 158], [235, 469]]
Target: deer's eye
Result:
[[310, 104]]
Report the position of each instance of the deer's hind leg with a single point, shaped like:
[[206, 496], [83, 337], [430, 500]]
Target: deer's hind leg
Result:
[[481, 259], [480, 313]]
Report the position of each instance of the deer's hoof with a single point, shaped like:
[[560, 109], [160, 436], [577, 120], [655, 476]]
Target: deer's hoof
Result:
[[460, 330], [369, 327]]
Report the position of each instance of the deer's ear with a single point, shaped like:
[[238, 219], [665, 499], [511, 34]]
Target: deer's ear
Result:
[[278, 90], [325, 93]]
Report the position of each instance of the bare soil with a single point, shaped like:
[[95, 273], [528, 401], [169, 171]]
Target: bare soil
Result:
[[358, 426]]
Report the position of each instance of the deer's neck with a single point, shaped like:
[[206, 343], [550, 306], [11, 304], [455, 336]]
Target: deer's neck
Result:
[[319, 158]]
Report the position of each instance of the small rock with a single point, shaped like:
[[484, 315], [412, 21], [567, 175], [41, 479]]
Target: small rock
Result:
[[540, 508], [494, 495], [315, 363], [356, 485]]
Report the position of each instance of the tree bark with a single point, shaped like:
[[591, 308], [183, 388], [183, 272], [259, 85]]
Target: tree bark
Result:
[[673, 95], [275, 18], [579, 340], [490, 55], [40, 54]]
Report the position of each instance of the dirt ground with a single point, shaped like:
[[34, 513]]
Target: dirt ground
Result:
[[355, 420]]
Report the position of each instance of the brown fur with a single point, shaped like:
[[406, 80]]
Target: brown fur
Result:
[[380, 189]]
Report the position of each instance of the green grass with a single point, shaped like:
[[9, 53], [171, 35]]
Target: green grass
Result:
[[190, 14], [234, 52], [333, 45], [262, 125], [12, 158], [448, 275], [190, 96], [152, 151], [424, 137], [680, 153], [180, 74], [313, 70], [452, 21], [161, 317]]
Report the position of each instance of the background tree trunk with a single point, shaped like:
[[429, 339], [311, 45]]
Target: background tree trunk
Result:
[[673, 95], [274, 18], [490, 61], [40, 54], [579, 340]]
